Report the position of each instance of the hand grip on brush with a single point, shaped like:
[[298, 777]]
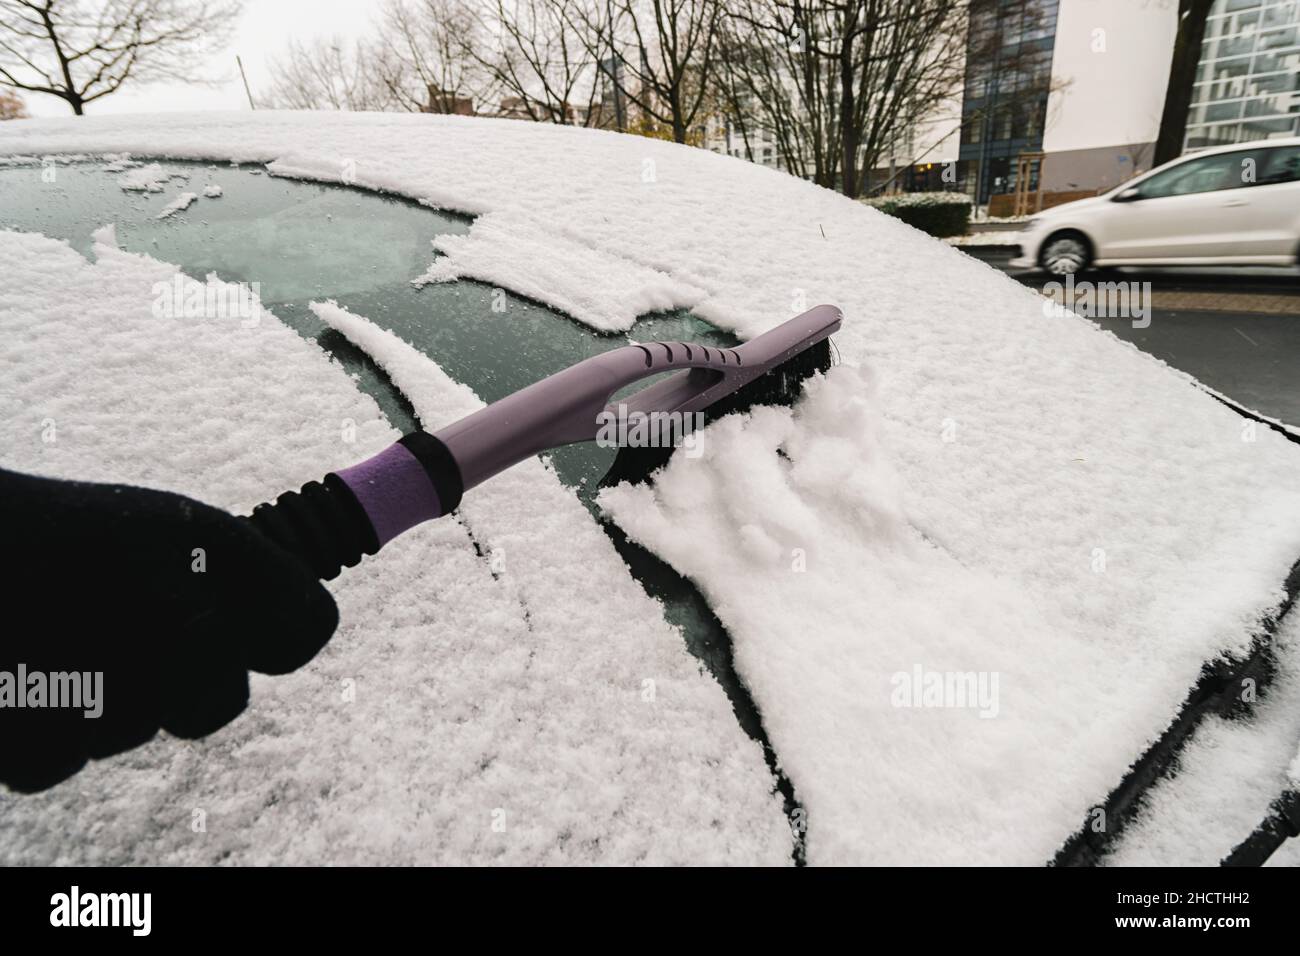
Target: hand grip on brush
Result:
[[356, 511]]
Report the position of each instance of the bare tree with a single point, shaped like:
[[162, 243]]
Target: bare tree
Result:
[[12, 106], [666, 55], [422, 56], [775, 88], [540, 58], [733, 100], [81, 51], [836, 82], [326, 74]]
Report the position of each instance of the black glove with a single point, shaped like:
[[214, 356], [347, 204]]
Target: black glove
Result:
[[170, 600]]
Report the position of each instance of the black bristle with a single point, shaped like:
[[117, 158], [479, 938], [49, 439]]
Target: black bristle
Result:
[[780, 385]]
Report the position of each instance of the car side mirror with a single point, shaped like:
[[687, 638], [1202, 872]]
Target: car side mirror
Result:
[[1132, 194]]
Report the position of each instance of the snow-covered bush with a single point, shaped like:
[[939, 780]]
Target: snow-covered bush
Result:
[[939, 214]]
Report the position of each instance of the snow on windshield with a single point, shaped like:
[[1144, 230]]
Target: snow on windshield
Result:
[[451, 719], [1073, 516], [1229, 773]]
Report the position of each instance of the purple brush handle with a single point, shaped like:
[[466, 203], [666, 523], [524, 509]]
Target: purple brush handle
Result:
[[394, 490], [332, 523], [565, 407]]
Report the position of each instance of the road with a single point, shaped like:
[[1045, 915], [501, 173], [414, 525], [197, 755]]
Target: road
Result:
[[1238, 331]]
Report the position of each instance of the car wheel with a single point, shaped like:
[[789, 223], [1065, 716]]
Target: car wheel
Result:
[[1065, 253]]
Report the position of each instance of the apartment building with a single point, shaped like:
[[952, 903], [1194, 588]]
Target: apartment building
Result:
[[723, 134], [1082, 82], [1248, 85], [1106, 69]]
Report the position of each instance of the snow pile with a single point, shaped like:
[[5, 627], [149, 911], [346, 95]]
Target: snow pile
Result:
[[551, 268], [834, 602], [527, 706], [985, 239], [119, 162], [846, 614], [1229, 773], [212, 191], [902, 200], [178, 204], [1075, 516], [137, 178]]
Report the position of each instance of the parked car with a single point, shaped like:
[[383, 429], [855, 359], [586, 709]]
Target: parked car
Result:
[[1235, 205]]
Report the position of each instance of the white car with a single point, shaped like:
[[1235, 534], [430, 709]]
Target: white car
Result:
[[1235, 205]]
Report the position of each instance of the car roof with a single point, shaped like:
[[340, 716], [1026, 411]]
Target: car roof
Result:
[[1234, 147], [1207, 151]]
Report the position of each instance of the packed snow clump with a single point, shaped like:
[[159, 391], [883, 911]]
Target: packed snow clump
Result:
[[181, 202], [136, 178]]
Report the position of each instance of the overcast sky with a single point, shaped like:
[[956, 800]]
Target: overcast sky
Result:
[[264, 30]]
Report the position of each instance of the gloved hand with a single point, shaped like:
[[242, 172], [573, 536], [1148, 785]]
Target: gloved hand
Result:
[[171, 600]]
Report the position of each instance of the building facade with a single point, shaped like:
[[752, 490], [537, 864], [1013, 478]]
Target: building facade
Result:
[[1009, 51], [1107, 72], [1082, 82], [1110, 69], [755, 144], [1248, 84]]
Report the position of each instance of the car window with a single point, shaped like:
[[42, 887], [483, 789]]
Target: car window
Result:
[[1280, 165], [1207, 174]]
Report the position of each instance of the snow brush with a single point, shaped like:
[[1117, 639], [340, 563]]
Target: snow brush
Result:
[[331, 524]]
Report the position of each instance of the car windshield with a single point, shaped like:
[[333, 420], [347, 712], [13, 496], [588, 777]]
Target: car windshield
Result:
[[296, 242]]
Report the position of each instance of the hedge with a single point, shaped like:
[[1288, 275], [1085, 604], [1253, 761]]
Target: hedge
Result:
[[939, 214]]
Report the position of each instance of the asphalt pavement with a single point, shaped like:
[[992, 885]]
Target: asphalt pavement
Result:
[[1237, 331]]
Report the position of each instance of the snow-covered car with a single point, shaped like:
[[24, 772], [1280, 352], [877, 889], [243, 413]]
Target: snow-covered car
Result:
[[951, 602], [1235, 205]]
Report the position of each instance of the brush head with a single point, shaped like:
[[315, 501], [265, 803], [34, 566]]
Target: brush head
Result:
[[781, 384], [574, 404], [711, 374]]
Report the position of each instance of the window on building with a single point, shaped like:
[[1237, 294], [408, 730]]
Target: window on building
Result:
[[1002, 123], [1250, 63], [1220, 112], [1280, 14], [1277, 39], [1276, 83], [1009, 65]]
